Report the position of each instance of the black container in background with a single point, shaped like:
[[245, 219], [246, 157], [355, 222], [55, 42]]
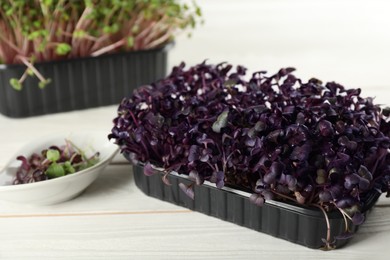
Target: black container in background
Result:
[[80, 83], [300, 225]]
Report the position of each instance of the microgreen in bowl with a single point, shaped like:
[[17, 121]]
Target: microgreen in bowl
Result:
[[53, 162]]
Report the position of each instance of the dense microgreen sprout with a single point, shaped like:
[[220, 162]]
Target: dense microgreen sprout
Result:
[[53, 162], [48, 30], [278, 137]]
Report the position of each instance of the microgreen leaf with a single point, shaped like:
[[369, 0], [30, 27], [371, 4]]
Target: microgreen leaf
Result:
[[15, 84], [53, 155], [30, 72], [68, 167], [256, 199], [188, 190], [63, 48], [42, 84], [78, 34], [149, 170], [53, 162], [130, 41], [358, 218], [221, 121], [55, 170], [344, 236]]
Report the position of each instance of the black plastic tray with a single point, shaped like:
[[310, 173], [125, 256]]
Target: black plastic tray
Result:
[[80, 83], [304, 226]]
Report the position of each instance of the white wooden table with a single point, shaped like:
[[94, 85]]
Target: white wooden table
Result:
[[347, 41]]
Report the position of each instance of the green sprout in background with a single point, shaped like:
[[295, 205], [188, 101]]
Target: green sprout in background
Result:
[[48, 30]]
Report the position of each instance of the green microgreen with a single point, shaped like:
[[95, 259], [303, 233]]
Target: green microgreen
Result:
[[36, 31]]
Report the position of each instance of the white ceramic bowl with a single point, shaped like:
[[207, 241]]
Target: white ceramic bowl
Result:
[[59, 189]]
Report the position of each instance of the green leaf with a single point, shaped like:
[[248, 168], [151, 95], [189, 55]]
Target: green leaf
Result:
[[15, 84], [147, 14], [38, 33], [42, 84], [53, 155], [130, 41], [198, 11], [48, 2], [93, 161], [69, 168], [55, 170], [42, 46], [30, 72], [115, 28], [352, 210], [9, 12], [106, 29], [63, 48], [321, 176], [135, 29], [34, 35], [37, 24], [88, 3], [221, 121], [111, 29], [79, 34], [230, 83]]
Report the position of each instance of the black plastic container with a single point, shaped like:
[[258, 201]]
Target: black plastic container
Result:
[[300, 225], [80, 83]]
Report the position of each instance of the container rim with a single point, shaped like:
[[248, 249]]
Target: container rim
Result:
[[164, 48], [371, 198]]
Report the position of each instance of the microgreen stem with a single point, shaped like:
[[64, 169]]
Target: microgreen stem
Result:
[[345, 218], [31, 67], [134, 119], [328, 231], [284, 196], [108, 48]]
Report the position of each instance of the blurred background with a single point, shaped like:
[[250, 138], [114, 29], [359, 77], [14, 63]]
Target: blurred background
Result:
[[347, 41]]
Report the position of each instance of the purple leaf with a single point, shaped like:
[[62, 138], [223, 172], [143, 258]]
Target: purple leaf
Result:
[[325, 196], [336, 191], [301, 153], [365, 173], [25, 165], [194, 153], [166, 180], [149, 170], [291, 182], [267, 195], [256, 199], [194, 175], [307, 140], [299, 197], [326, 128], [188, 190], [364, 184], [344, 236], [250, 142], [275, 135], [219, 179], [357, 218], [351, 180], [277, 168], [345, 202]]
